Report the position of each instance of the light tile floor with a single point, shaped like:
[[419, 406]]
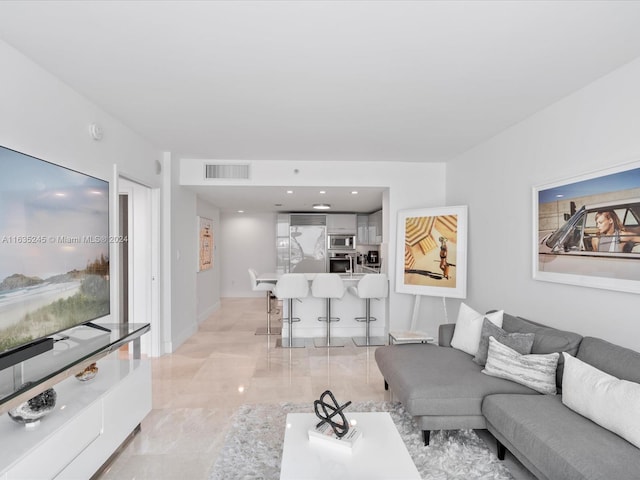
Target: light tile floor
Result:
[[224, 365]]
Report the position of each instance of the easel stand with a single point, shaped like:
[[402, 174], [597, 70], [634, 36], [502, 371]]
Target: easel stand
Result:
[[413, 335]]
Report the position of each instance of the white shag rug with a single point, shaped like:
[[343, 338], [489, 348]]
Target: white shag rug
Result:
[[253, 446]]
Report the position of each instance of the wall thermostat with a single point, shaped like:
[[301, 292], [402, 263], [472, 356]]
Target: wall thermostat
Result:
[[96, 131]]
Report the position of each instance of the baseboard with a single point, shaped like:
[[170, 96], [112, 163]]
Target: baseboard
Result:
[[208, 312], [182, 337]]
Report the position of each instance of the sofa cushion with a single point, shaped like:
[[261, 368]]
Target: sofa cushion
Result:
[[610, 402], [466, 336], [547, 340], [534, 371], [433, 380], [445, 334], [520, 342], [559, 442], [613, 359]]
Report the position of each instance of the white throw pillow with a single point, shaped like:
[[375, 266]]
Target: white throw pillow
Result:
[[466, 336], [602, 398], [538, 372]]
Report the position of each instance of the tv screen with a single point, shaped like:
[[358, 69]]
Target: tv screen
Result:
[[54, 249]]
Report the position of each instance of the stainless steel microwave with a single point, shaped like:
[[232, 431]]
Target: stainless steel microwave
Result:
[[342, 241]]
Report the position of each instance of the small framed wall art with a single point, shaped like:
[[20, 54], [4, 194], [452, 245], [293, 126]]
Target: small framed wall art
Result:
[[205, 244]]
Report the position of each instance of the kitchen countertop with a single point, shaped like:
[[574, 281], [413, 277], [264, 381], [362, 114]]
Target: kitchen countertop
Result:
[[273, 277]]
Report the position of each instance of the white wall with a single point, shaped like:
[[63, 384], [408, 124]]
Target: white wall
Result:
[[246, 241], [43, 117], [208, 281], [411, 185], [594, 128], [184, 261]]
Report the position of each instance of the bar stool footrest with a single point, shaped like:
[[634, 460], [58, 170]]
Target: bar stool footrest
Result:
[[294, 320], [364, 319]]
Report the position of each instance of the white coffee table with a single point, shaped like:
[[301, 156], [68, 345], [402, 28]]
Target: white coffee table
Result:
[[379, 454]]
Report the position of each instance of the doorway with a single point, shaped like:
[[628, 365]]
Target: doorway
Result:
[[138, 260], [123, 249]]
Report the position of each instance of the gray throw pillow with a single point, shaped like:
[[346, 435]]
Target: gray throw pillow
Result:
[[520, 342], [537, 372]]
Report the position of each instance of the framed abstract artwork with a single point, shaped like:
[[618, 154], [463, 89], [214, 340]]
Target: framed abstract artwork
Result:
[[205, 244], [586, 230], [432, 252]]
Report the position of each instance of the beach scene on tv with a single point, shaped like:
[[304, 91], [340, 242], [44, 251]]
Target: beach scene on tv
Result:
[[54, 248]]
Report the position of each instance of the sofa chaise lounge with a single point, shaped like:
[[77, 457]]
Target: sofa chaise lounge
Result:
[[443, 388]]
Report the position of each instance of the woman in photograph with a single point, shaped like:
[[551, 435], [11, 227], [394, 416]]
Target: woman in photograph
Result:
[[612, 236]]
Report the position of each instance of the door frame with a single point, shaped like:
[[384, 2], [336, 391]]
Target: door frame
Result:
[[144, 257]]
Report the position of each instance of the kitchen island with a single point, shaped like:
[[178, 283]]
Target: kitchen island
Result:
[[346, 308]]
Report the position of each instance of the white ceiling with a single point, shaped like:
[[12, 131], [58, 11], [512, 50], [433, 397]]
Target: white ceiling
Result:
[[323, 80]]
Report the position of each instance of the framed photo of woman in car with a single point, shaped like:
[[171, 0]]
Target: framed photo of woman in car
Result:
[[587, 230]]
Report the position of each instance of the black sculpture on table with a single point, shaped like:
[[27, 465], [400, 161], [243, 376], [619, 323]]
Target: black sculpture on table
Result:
[[339, 427]]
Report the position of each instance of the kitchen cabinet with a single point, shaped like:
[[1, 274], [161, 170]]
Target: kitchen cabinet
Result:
[[363, 230], [375, 228], [370, 228], [342, 223]]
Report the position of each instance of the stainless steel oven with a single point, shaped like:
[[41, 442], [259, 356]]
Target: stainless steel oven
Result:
[[341, 262], [341, 241]]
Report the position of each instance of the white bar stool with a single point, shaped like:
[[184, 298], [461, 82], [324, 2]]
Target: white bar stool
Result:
[[372, 285], [268, 288], [291, 286], [328, 286]]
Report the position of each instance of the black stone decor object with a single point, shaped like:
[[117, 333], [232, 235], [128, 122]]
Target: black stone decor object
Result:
[[35, 408], [339, 427]]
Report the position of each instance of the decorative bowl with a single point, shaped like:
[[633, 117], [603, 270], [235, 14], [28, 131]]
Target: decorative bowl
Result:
[[88, 373], [35, 408]]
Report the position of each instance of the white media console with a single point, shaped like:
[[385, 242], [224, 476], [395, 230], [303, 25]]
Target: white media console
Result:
[[91, 419]]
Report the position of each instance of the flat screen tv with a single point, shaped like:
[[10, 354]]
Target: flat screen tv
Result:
[[54, 253]]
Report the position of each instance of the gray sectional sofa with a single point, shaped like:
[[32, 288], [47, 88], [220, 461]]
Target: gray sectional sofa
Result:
[[444, 389]]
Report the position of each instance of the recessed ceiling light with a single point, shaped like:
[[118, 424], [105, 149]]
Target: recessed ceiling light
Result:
[[240, 211], [322, 192], [321, 206], [289, 192], [355, 192]]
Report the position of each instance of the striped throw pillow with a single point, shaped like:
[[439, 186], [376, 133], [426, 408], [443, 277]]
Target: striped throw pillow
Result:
[[538, 372]]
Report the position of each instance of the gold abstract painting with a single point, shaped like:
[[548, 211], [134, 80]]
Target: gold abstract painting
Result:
[[431, 250]]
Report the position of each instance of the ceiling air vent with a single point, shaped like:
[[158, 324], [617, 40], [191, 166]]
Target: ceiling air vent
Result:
[[226, 171]]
